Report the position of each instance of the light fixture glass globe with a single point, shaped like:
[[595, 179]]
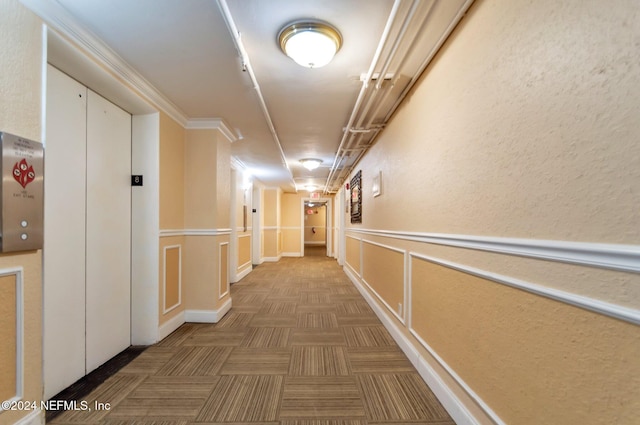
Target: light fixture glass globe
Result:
[[311, 44], [310, 49], [310, 164]]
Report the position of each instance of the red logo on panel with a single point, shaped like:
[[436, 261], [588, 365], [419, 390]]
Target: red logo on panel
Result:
[[23, 173]]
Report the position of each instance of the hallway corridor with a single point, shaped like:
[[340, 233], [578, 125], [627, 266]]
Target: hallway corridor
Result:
[[299, 347]]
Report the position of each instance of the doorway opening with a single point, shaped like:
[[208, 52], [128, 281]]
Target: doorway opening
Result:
[[315, 228]]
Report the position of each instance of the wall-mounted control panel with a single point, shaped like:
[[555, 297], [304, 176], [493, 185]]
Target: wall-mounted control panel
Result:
[[21, 193]]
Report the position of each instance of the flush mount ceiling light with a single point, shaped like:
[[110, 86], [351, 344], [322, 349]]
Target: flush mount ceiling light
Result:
[[311, 44], [310, 163]]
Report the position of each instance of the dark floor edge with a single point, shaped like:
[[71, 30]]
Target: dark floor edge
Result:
[[84, 386]]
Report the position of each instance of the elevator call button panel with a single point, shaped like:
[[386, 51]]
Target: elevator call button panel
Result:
[[21, 193]]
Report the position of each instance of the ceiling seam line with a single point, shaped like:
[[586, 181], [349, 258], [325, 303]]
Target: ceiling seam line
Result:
[[363, 89], [246, 63]]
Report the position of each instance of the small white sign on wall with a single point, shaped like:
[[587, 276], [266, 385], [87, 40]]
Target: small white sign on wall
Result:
[[376, 186]]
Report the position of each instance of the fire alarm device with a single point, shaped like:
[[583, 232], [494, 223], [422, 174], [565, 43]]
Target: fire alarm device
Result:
[[21, 193]]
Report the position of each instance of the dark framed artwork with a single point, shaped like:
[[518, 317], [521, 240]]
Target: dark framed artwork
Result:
[[356, 198]]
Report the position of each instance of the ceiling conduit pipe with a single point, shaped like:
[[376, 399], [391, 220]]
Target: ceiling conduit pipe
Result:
[[387, 62], [401, 65], [363, 89], [461, 12], [246, 63]]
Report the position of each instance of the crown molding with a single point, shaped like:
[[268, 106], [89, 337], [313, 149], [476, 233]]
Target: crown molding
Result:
[[212, 124], [60, 20]]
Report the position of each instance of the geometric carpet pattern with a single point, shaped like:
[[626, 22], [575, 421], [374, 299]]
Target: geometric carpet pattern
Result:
[[299, 347]]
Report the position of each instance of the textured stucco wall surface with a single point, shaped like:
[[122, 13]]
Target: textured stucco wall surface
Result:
[[524, 126], [20, 113]]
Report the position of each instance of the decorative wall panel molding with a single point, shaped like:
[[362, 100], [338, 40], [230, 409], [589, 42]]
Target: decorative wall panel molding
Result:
[[607, 309], [607, 256], [170, 272], [194, 232], [223, 263], [16, 334], [454, 406]]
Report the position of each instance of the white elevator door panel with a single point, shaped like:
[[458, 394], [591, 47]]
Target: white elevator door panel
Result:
[[64, 232], [108, 282]]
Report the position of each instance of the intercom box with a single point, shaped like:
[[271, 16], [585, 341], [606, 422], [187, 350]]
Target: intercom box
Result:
[[21, 193]]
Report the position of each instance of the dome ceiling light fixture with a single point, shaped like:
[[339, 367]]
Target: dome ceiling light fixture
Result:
[[310, 43], [310, 163]]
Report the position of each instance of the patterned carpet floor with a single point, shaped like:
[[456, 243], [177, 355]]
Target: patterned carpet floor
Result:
[[299, 347]]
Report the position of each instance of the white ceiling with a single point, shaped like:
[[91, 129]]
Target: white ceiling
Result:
[[185, 50]]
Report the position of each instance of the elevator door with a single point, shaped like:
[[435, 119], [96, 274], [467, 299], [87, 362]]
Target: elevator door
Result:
[[64, 232], [108, 255], [87, 282]]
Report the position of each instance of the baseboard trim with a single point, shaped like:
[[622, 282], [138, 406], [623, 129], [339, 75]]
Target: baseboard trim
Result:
[[36, 417], [272, 259], [171, 325], [456, 409], [208, 316], [291, 254], [239, 276]]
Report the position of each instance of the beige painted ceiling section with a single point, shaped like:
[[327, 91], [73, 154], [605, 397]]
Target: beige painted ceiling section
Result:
[[185, 51]]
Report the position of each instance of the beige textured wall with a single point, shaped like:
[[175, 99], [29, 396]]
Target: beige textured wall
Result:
[[290, 221], [524, 126], [352, 254], [540, 348], [8, 336], [172, 277], [223, 182], [270, 243], [207, 206], [270, 197], [291, 204], [201, 272], [383, 271], [165, 242], [244, 252], [172, 169], [201, 179], [20, 85]]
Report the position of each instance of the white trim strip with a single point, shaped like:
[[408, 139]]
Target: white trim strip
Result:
[[36, 417], [242, 274], [194, 232], [271, 259], [211, 124], [395, 314], [19, 305], [244, 236], [484, 406], [601, 307], [404, 273], [273, 227], [607, 256], [227, 282], [170, 325], [456, 409], [166, 310], [208, 316]]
